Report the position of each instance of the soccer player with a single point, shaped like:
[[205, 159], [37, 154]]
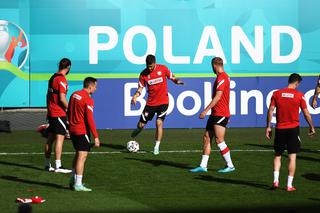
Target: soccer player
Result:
[[287, 102], [57, 106], [81, 123], [154, 77], [218, 120], [316, 94]]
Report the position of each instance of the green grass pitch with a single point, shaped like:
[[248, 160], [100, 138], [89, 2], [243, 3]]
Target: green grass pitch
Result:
[[142, 182]]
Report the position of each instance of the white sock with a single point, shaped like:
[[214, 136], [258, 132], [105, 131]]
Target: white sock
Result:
[[290, 180], [276, 176], [58, 164], [78, 180], [157, 145], [47, 162], [226, 153], [204, 161]]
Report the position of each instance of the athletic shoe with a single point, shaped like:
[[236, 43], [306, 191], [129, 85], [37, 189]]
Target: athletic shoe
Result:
[[198, 169], [81, 188], [49, 169], [275, 185], [226, 169], [291, 189], [156, 151], [62, 170]]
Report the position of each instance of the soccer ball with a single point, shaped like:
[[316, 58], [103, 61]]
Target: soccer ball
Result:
[[133, 146]]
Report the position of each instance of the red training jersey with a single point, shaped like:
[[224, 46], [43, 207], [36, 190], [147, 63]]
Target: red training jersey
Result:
[[287, 102], [57, 84], [80, 114], [156, 83], [222, 83]]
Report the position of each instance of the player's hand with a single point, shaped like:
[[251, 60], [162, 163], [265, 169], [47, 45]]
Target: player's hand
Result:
[[180, 82], [96, 142], [312, 131], [134, 100], [202, 115], [268, 132], [314, 103]]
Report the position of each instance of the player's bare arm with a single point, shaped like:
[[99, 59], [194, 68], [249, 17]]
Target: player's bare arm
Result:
[[213, 102], [316, 93], [177, 81], [136, 95], [63, 100], [308, 118], [269, 118]]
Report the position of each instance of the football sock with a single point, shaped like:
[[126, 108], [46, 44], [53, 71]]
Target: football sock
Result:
[[290, 180], [47, 162], [156, 146], [276, 176], [58, 164], [78, 180], [225, 152], [204, 161], [136, 132]]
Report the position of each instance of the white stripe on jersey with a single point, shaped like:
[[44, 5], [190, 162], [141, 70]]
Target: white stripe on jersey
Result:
[[64, 86], [140, 85], [90, 107], [220, 83]]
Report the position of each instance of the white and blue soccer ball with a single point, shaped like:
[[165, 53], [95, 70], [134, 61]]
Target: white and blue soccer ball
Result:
[[133, 146]]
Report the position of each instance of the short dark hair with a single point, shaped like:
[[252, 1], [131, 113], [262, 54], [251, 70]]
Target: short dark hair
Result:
[[294, 77], [217, 61], [150, 59], [89, 81], [64, 63]]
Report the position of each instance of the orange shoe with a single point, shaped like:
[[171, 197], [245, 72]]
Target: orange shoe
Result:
[[291, 189]]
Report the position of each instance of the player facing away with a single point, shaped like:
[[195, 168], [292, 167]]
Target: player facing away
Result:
[[81, 123], [218, 120], [154, 77], [316, 94], [287, 102], [57, 106]]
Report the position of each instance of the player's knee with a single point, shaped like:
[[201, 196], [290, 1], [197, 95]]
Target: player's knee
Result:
[[159, 123], [219, 140], [206, 138]]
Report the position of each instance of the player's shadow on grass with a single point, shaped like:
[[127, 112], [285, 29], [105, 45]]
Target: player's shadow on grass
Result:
[[20, 165], [157, 163], [232, 181], [114, 146], [20, 180], [311, 176]]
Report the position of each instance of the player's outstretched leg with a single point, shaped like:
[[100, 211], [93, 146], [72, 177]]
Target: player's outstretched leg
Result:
[[225, 152], [137, 131], [207, 138]]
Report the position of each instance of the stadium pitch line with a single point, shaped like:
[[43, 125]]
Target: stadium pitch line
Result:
[[142, 152]]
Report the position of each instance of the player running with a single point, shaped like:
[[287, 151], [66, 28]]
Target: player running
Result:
[[316, 94], [287, 102], [218, 120], [154, 78], [57, 106], [81, 123]]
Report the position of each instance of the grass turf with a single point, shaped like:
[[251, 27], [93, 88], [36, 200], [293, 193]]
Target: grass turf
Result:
[[135, 182]]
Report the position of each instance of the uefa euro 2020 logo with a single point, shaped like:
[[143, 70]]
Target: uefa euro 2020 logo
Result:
[[14, 47]]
